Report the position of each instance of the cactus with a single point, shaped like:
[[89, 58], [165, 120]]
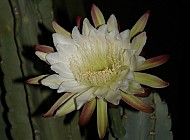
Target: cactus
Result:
[[22, 22], [143, 126], [25, 23]]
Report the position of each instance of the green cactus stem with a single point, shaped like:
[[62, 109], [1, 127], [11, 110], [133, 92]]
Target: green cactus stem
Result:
[[145, 126]]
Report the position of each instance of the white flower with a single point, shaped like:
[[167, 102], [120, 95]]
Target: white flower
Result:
[[98, 65]]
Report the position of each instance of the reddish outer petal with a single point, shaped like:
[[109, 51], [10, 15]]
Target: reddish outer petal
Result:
[[60, 30], [78, 21], [87, 112], [36, 80], [44, 48], [59, 102], [150, 80], [154, 62], [136, 103], [97, 16], [146, 93], [139, 25]]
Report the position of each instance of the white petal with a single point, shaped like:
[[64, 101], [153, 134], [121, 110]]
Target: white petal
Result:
[[73, 86], [65, 49], [60, 39], [130, 75], [53, 81], [53, 58], [133, 65], [136, 61], [61, 89], [41, 55], [77, 37], [124, 85], [134, 87], [101, 92], [69, 84], [85, 97], [63, 70], [112, 24], [67, 107], [113, 97], [140, 60], [103, 29], [93, 34], [125, 39], [64, 86], [125, 34], [138, 42], [80, 88], [86, 27]]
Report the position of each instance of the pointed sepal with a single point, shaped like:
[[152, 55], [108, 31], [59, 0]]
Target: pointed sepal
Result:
[[150, 80], [60, 30], [154, 62], [102, 118], [139, 25], [136, 103], [97, 16], [87, 112]]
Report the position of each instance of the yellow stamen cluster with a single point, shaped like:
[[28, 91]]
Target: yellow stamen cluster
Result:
[[98, 68]]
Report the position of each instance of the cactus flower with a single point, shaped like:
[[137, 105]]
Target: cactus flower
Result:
[[96, 66]]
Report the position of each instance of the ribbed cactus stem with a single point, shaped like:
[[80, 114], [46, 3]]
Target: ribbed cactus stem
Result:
[[116, 124], [145, 126]]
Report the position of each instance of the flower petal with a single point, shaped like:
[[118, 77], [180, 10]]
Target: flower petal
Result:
[[86, 27], [77, 37], [63, 70], [60, 39], [138, 42], [85, 97], [60, 30], [125, 39], [134, 87], [44, 48], [146, 93], [97, 16], [136, 103], [63, 55], [154, 62], [58, 103], [53, 81], [78, 21], [79, 88], [102, 118], [36, 80], [101, 92], [41, 55], [112, 24], [67, 107], [53, 58], [87, 112], [150, 80], [139, 25], [113, 97]]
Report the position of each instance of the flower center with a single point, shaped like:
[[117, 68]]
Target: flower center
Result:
[[97, 64]]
